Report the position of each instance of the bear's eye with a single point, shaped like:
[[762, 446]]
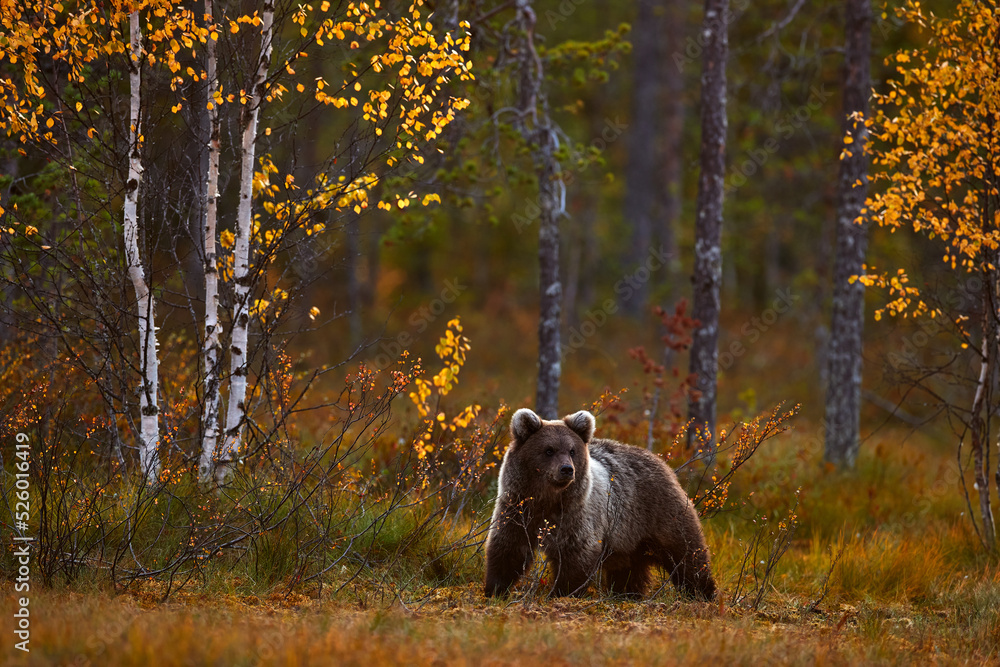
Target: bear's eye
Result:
[[572, 452], [550, 452]]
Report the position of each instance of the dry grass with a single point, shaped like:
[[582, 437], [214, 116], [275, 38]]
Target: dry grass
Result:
[[911, 585], [882, 568], [457, 628]]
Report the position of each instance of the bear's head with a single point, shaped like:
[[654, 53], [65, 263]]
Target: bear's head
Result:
[[554, 451]]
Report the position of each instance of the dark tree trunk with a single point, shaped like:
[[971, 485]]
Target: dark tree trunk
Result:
[[581, 252], [11, 168], [843, 397], [591, 253], [708, 225], [573, 252], [673, 24], [353, 229], [550, 305], [373, 253], [642, 142], [354, 297], [194, 260], [539, 133]]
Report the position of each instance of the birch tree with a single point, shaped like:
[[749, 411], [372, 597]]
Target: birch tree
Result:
[[149, 430], [843, 394], [53, 54], [211, 347], [707, 276], [932, 135], [406, 109], [236, 411]]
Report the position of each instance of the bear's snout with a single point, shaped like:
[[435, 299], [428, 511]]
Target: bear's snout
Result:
[[565, 474]]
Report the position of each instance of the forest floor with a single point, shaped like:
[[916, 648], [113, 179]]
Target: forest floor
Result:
[[883, 567], [456, 627]]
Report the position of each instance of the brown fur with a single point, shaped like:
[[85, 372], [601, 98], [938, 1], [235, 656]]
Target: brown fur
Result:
[[601, 506]]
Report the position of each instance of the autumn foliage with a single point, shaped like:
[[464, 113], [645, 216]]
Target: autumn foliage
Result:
[[352, 524], [935, 145], [934, 139]]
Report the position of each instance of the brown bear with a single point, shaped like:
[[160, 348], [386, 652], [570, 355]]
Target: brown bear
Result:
[[594, 505]]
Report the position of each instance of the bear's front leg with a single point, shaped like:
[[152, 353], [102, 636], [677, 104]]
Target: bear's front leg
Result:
[[509, 553], [573, 572]]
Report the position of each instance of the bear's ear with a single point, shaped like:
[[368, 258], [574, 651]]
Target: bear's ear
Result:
[[524, 424], [581, 423]]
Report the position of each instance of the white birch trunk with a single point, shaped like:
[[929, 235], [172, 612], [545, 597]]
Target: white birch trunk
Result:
[[980, 433], [212, 350], [236, 409], [149, 429]]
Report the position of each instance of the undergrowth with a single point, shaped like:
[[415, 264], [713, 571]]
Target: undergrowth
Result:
[[378, 522]]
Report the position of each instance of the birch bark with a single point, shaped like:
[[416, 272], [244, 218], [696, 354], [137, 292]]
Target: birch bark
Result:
[[980, 443], [149, 424], [212, 349], [238, 355]]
